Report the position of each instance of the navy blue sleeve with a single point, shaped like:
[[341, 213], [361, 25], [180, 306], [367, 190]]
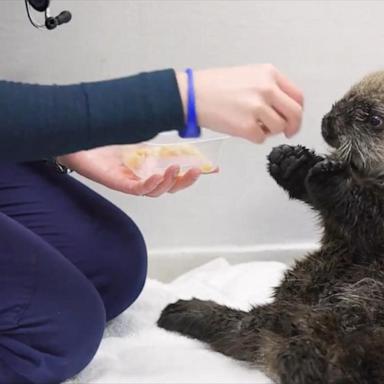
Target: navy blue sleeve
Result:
[[42, 121]]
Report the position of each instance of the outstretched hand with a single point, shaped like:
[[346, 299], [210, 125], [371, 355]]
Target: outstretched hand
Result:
[[104, 166], [252, 102]]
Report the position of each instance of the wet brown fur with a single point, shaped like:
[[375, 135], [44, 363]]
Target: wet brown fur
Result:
[[326, 323]]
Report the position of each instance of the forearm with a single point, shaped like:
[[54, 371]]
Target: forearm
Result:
[[43, 121]]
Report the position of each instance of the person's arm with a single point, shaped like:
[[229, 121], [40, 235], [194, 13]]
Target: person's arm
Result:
[[43, 121], [252, 102]]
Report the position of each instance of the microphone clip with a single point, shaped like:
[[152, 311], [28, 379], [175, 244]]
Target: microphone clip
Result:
[[50, 22]]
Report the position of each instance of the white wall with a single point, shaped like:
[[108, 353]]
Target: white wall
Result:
[[324, 46]]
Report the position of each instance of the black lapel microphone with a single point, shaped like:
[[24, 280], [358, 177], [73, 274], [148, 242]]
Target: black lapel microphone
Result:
[[50, 22], [62, 18]]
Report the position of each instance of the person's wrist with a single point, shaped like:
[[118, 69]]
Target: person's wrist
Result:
[[203, 99], [182, 84], [61, 160], [58, 164], [187, 91], [199, 95]]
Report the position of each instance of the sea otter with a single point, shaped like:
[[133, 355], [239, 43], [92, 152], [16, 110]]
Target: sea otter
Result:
[[326, 323]]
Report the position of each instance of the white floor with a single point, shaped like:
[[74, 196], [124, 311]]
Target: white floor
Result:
[[135, 350]]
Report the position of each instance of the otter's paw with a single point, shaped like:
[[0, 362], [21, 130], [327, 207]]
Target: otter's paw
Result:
[[326, 168], [189, 317], [326, 178], [289, 166]]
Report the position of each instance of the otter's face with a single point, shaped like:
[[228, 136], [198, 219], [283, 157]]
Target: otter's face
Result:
[[355, 128]]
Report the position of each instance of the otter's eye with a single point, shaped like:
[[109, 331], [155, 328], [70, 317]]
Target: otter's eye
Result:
[[375, 121]]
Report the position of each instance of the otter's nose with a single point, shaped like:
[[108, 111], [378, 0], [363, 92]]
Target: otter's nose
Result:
[[328, 130]]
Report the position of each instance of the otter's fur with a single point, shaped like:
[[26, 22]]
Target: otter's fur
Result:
[[326, 323]]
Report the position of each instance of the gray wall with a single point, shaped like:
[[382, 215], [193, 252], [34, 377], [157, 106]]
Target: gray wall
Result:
[[324, 46]]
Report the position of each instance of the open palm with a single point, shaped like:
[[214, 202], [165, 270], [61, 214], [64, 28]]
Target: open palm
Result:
[[104, 165]]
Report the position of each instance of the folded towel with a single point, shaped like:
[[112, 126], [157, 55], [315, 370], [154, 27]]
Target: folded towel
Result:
[[135, 350]]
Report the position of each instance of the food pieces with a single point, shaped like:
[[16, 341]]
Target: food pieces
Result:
[[145, 160]]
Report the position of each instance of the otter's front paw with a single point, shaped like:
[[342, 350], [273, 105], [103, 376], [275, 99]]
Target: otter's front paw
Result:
[[289, 166], [188, 317], [326, 176], [326, 168]]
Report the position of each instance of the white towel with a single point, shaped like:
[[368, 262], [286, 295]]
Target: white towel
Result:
[[135, 350]]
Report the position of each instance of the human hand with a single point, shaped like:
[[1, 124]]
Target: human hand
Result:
[[252, 102], [104, 166]]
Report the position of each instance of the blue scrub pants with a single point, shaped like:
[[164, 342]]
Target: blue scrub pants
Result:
[[69, 261]]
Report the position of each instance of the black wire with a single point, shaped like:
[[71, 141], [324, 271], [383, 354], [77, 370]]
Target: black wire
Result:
[[38, 26]]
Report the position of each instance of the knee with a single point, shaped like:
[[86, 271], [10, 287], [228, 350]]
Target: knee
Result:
[[124, 267], [61, 348], [80, 337], [85, 332]]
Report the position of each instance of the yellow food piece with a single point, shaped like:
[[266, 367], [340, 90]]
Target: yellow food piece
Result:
[[188, 149], [135, 158], [206, 167], [176, 150], [168, 151], [133, 161]]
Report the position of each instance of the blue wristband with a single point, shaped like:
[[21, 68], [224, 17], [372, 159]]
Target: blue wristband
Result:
[[192, 128]]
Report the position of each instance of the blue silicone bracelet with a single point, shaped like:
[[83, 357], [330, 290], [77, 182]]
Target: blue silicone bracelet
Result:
[[192, 128]]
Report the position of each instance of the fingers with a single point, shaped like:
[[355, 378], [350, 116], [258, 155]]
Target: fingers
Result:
[[257, 133], [270, 121], [169, 180], [281, 113], [288, 108], [173, 182], [282, 109], [267, 122], [289, 88], [139, 188], [186, 180]]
